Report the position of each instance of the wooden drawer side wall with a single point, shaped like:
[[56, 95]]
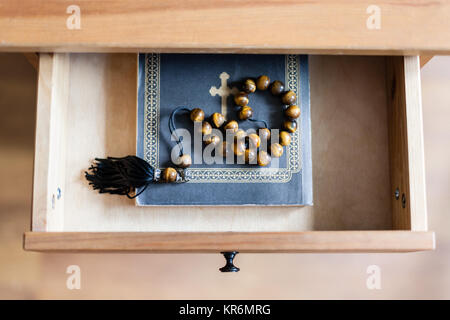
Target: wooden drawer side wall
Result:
[[50, 146], [406, 149]]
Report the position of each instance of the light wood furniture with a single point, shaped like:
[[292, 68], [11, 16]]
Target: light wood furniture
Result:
[[424, 60], [315, 26], [368, 166]]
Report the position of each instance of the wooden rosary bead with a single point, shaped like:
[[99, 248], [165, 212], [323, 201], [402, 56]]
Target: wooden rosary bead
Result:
[[254, 140], [264, 134], [232, 125], [241, 99], [262, 83], [289, 97], [285, 138], [245, 113], [292, 112], [169, 175], [249, 86], [212, 139], [249, 155], [217, 119], [239, 148], [197, 114], [263, 158], [276, 150], [184, 161], [277, 88], [290, 125], [206, 128], [240, 134]]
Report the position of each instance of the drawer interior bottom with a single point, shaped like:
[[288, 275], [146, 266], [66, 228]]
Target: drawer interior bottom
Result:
[[92, 112]]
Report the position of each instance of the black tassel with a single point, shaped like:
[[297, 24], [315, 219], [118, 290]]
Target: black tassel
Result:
[[120, 175]]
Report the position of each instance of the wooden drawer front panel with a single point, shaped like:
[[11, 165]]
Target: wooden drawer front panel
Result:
[[213, 242], [365, 145]]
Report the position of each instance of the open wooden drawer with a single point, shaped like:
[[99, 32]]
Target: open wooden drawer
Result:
[[368, 166]]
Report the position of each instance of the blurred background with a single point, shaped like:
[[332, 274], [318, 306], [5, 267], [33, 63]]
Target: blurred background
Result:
[[25, 275]]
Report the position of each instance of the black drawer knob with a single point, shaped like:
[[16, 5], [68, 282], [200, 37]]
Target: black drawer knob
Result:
[[229, 257]]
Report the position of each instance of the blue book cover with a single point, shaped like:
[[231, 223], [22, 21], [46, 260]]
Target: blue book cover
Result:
[[207, 81]]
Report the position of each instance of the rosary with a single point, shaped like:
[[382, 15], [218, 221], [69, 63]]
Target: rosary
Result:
[[123, 175]]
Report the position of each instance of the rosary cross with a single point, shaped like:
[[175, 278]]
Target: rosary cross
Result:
[[224, 91]]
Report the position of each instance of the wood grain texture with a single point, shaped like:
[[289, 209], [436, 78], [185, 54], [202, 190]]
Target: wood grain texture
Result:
[[50, 146], [315, 26], [315, 241], [406, 143], [424, 60]]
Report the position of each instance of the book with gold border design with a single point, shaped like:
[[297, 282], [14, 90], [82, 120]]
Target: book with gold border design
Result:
[[168, 81]]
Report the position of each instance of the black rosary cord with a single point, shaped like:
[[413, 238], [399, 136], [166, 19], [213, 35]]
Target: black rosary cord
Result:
[[173, 128]]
